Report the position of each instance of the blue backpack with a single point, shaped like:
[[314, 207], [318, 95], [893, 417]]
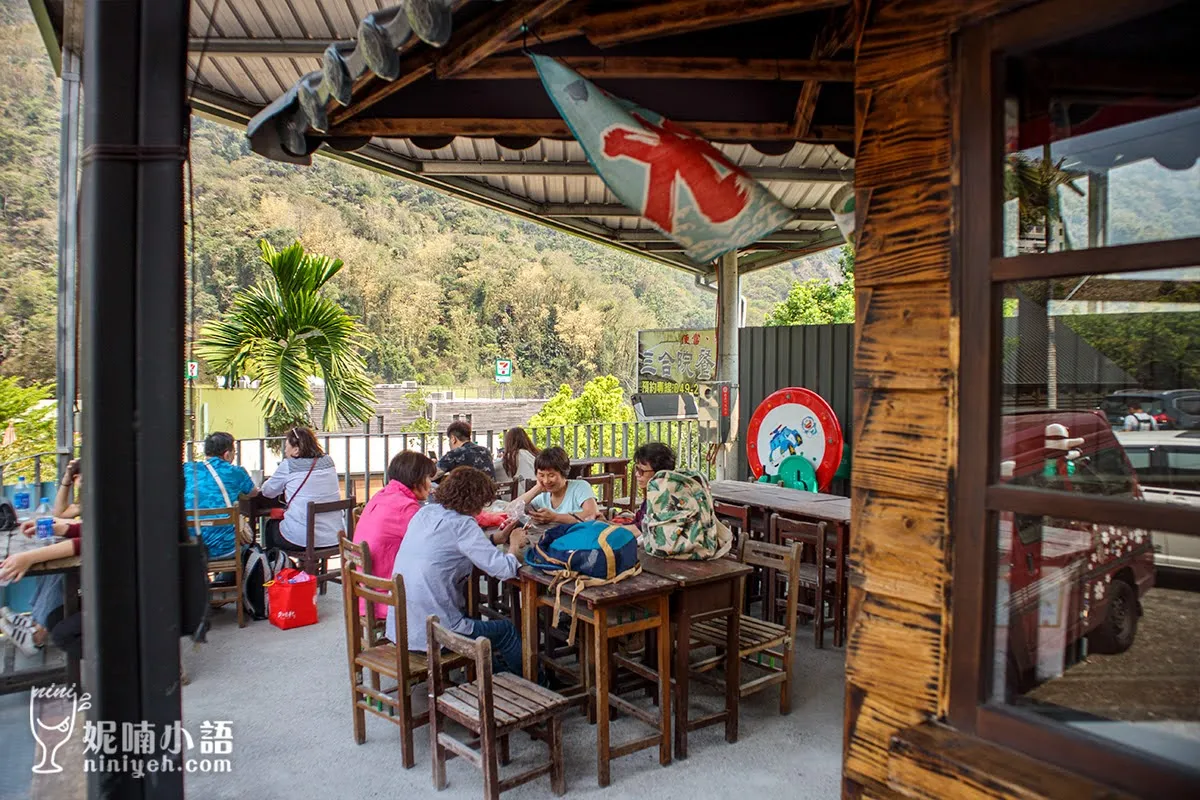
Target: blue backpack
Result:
[[585, 554]]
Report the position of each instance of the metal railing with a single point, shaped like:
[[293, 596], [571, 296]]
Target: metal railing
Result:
[[362, 459], [38, 467]]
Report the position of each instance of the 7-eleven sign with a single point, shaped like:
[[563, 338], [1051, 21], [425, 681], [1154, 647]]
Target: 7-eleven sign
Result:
[[504, 370]]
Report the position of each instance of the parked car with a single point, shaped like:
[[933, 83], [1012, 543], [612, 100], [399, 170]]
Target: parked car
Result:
[[1173, 409], [1062, 580], [1168, 468]]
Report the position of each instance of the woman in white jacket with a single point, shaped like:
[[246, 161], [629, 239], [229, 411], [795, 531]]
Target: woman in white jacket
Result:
[[305, 476]]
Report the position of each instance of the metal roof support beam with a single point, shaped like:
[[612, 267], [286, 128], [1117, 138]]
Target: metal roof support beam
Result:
[[667, 67], [262, 48], [541, 168], [823, 241], [616, 210], [787, 237]]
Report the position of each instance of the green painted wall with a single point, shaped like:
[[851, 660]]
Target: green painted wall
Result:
[[232, 410]]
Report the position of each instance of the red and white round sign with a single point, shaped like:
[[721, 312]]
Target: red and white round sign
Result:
[[794, 421]]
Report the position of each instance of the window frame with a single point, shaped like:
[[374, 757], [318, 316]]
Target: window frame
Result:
[[979, 271]]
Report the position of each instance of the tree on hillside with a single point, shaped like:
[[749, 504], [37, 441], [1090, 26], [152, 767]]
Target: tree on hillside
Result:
[[285, 331], [30, 412], [601, 401], [818, 301]]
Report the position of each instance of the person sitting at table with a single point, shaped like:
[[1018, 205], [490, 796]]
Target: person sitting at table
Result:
[[443, 545], [464, 452], [648, 460], [389, 512], [65, 504], [555, 500], [29, 633], [216, 482], [306, 475], [519, 455]]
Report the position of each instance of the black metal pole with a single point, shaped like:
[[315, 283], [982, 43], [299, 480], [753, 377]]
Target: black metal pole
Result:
[[132, 287]]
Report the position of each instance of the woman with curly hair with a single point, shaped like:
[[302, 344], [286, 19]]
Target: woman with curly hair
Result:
[[442, 546]]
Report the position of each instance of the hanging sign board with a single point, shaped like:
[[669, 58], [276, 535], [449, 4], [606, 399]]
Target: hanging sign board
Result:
[[504, 370], [676, 361], [192, 370]]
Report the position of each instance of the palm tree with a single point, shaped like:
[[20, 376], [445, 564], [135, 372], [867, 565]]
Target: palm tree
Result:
[[283, 332]]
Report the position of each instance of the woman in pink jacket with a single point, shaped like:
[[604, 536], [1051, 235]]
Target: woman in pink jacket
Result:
[[385, 519]]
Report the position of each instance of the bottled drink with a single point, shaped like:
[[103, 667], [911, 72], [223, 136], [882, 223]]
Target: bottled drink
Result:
[[45, 522], [23, 500]]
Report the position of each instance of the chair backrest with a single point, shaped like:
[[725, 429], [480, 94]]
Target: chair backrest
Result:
[[356, 554], [356, 585], [216, 518], [478, 650], [507, 490], [729, 513], [785, 558], [812, 535], [606, 483], [347, 508]]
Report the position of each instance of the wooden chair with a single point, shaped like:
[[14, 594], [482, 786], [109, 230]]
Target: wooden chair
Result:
[[224, 594], [765, 645], [492, 707], [357, 555], [607, 483], [818, 575], [507, 490], [315, 560], [371, 657], [737, 518]]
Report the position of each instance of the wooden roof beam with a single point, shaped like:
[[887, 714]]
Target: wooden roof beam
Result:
[[550, 168], [486, 34], [658, 18], [667, 67], [405, 127]]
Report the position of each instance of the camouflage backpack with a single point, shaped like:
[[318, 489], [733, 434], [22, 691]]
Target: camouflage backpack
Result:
[[679, 520]]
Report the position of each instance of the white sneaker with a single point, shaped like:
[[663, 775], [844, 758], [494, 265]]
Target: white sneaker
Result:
[[17, 620], [21, 637]]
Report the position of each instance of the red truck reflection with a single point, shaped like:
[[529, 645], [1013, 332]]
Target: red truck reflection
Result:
[[1062, 581]]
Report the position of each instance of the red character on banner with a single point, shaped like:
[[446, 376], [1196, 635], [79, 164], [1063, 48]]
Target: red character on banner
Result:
[[672, 151]]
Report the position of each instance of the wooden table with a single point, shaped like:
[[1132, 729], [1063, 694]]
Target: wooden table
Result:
[[640, 603], [703, 590], [768, 498], [12, 679]]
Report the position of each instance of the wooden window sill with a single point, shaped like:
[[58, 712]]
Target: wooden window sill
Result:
[[933, 760]]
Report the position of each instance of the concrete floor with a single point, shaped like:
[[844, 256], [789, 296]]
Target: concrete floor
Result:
[[287, 696]]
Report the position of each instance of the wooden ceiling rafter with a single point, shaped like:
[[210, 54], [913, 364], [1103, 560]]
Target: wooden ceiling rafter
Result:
[[721, 131], [670, 67], [842, 30], [479, 39], [659, 18]]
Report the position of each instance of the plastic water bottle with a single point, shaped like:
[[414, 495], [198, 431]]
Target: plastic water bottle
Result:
[[45, 522], [23, 500]]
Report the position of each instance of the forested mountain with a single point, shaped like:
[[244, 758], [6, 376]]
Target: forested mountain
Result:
[[442, 285]]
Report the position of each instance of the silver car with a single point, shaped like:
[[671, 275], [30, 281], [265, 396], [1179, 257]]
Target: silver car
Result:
[[1168, 469]]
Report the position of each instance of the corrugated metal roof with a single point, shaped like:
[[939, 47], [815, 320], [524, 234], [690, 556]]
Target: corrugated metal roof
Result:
[[235, 84]]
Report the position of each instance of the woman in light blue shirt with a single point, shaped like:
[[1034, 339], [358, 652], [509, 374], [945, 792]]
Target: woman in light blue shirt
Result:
[[555, 500]]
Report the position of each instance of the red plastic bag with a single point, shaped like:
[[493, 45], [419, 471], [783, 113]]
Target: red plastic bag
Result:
[[292, 605], [491, 519]]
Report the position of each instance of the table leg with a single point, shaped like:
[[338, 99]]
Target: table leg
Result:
[[683, 648], [664, 679], [71, 606], [733, 663], [529, 643], [600, 661]]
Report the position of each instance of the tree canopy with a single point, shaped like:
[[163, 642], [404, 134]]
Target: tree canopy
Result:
[[819, 301]]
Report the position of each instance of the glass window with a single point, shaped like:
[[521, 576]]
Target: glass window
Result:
[[1184, 468], [1102, 138], [1139, 459], [1072, 646]]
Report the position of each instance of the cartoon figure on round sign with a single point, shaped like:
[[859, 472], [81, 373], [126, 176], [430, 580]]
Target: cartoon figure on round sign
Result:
[[783, 438]]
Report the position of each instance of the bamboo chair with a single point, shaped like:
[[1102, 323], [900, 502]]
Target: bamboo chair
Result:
[[491, 707]]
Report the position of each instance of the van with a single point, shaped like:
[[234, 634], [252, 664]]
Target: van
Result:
[[1168, 470], [1063, 582]]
